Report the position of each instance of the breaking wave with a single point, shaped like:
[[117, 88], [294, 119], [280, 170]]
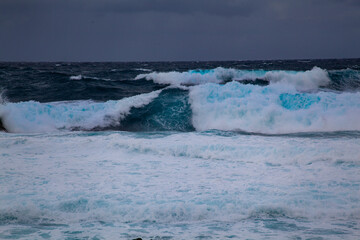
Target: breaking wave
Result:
[[301, 80], [277, 110], [34, 116]]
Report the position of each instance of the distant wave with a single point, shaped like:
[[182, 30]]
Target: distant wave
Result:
[[143, 69], [81, 77], [301, 80]]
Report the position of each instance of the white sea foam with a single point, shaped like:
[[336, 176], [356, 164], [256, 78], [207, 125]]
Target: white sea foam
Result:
[[272, 109], [194, 77], [110, 184], [33, 116], [304, 81]]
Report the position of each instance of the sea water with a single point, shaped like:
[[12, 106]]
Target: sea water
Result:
[[184, 150]]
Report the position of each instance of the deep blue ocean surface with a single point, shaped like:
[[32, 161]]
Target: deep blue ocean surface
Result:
[[180, 150]]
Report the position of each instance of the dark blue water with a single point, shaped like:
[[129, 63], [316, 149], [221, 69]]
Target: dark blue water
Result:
[[47, 82]]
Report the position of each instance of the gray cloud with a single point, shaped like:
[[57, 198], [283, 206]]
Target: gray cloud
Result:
[[212, 7], [125, 30]]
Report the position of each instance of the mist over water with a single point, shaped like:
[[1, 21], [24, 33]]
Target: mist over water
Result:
[[187, 150]]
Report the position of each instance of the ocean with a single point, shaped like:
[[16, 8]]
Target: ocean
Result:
[[180, 150]]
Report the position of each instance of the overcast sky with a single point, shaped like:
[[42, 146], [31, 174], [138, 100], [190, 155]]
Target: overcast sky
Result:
[[162, 30]]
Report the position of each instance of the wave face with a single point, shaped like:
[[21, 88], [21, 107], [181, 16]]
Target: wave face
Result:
[[345, 80], [181, 186], [170, 111]]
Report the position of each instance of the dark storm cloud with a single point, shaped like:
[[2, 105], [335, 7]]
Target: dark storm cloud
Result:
[[213, 7], [132, 30]]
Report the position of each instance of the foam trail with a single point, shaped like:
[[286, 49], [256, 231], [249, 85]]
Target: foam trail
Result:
[[272, 109], [143, 69], [33, 116], [81, 77], [77, 77], [304, 81]]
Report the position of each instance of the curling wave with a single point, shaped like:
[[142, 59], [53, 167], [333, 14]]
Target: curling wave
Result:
[[32, 116]]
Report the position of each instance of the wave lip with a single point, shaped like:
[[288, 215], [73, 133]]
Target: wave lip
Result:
[[33, 116]]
